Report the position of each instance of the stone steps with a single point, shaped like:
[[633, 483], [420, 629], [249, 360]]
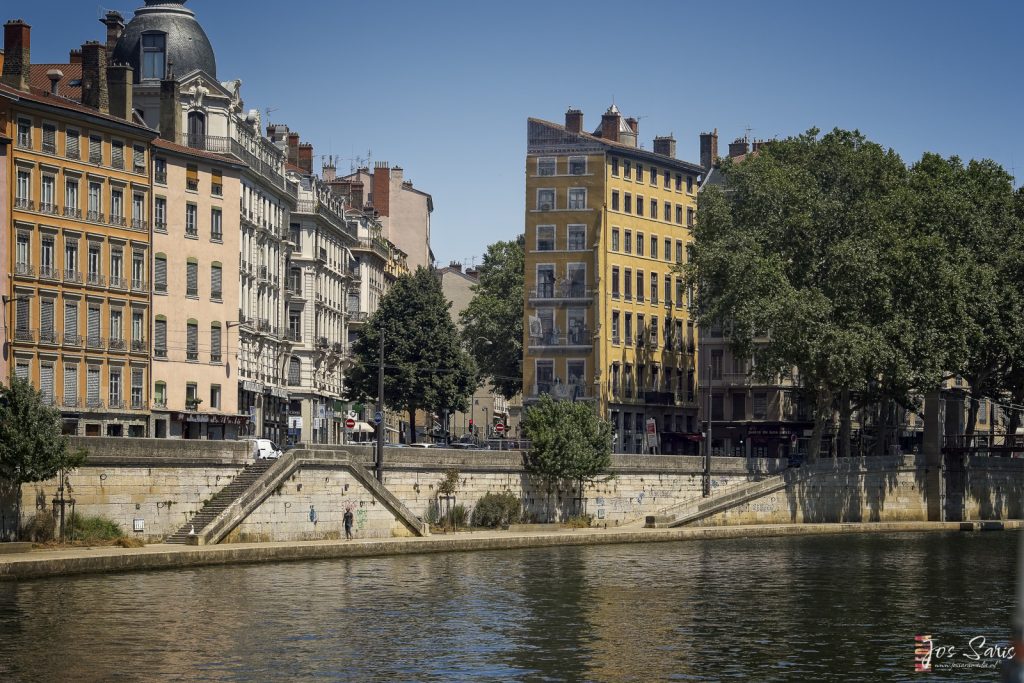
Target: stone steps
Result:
[[693, 511], [220, 502]]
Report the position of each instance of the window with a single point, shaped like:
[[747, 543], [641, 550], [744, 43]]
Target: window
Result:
[[71, 272], [72, 205], [46, 372], [654, 288], [577, 276], [668, 179], [23, 255], [216, 183], [654, 246], [72, 144], [627, 338], [653, 329], [679, 182], [71, 323], [192, 340], [138, 330], [160, 395], [639, 285], [95, 149], [545, 200], [689, 184], [668, 290], [215, 396], [615, 200], [760, 406], [545, 281], [139, 211], [47, 265], [191, 220], [615, 327], [690, 215], [116, 154], [575, 371], [639, 205], [153, 55], [639, 173], [545, 238], [23, 191], [71, 385], [116, 205], [160, 337], [667, 212], [626, 172], [668, 249], [628, 244], [577, 198], [654, 208], [49, 138], [116, 267], [160, 170], [24, 133], [295, 371], [216, 280], [615, 166], [114, 382], [160, 273], [716, 364], [138, 271], [48, 194], [192, 278], [615, 239], [679, 214], [679, 293], [95, 256], [639, 244], [192, 177], [191, 396], [627, 204], [93, 327], [641, 332], [627, 281], [95, 202], [138, 393], [615, 282], [160, 214], [577, 237], [577, 165], [216, 225], [215, 356], [546, 166], [138, 159]]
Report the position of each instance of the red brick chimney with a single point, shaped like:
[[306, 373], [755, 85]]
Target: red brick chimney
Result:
[[94, 77], [306, 157], [574, 120], [709, 149], [293, 149], [115, 27], [611, 121], [75, 57], [738, 147], [382, 188], [17, 54]]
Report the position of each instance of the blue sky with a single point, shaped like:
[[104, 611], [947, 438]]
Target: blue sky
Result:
[[444, 89]]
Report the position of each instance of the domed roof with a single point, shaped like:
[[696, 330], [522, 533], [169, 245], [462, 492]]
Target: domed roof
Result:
[[187, 46]]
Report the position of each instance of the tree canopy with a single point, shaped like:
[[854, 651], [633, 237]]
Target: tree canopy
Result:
[[827, 254], [425, 365], [493, 320]]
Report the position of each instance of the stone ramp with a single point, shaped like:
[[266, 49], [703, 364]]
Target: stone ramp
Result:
[[701, 508], [216, 505], [259, 489]]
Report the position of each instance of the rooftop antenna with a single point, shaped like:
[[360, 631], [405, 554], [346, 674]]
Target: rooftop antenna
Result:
[[748, 130], [268, 111]]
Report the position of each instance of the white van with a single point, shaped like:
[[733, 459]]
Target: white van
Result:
[[263, 449]]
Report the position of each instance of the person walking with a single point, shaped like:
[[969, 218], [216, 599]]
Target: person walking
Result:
[[348, 518]]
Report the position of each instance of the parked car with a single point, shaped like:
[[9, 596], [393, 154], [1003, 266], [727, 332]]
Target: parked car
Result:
[[422, 445], [264, 449]]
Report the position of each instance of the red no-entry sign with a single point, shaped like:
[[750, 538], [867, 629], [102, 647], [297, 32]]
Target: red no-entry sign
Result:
[[350, 423], [500, 428]]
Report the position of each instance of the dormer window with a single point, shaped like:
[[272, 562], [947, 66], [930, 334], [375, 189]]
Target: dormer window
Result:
[[154, 55]]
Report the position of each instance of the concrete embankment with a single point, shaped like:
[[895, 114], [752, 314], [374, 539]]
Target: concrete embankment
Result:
[[42, 564]]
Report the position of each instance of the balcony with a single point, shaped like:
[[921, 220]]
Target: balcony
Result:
[[48, 336], [263, 325], [579, 338], [568, 292], [140, 225], [160, 352], [354, 272], [115, 403], [159, 404], [24, 203], [49, 208], [24, 335], [118, 221], [70, 402], [263, 274], [357, 317], [375, 244], [73, 276], [117, 345], [72, 212], [192, 185], [217, 295], [160, 177], [138, 404], [92, 342], [94, 216], [215, 357], [191, 231], [560, 391], [94, 403], [24, 270], [293, 336], [139, 285], [117, 282], [659, 398], [95, 280], [139, 346], [192, 355], [160, 226], [72, 340]]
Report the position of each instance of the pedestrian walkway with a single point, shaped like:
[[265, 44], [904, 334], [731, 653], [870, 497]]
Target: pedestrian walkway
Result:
[[46, 563]]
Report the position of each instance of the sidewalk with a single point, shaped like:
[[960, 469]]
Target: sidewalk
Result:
[[48, 563]]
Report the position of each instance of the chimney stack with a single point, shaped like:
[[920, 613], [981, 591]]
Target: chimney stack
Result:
[[75, 57], [17, 54], [611, 121], [115, 27], [574, 120], [94, 77], [456, 266], [665, 145], [709, 149], [293, 149], [119, 80], [738, 147], [55, 76], [306, 157], [758, 144], [382, 188], [170, 114]]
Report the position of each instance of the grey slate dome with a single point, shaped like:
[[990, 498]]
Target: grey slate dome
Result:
[[184, 44]]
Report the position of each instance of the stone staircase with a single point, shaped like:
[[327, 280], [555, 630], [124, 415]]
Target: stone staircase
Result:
[[701, 508], [220, 502]]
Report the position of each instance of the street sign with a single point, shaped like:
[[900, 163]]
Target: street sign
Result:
[[295, 422], [350, 423], [500, 428], [378, 417]]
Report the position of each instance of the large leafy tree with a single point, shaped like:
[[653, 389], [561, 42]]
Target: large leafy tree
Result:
[[425, 365], [569, 443], [493, 320], [806, 258], [32, 447]]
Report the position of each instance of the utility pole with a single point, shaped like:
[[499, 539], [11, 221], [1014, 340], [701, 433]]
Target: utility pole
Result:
[[380, 411]]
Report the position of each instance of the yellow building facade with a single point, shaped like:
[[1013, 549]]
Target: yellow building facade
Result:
[[606, 315]]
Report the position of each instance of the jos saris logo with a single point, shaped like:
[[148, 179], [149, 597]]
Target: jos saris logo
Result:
[[979, 652]]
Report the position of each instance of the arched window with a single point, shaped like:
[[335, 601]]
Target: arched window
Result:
[[154, 55], [295, 371]]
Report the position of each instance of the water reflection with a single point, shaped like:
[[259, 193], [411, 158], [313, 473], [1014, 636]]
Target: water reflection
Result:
[[813, 608]]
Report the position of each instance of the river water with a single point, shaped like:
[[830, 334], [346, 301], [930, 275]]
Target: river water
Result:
[[790, 609]]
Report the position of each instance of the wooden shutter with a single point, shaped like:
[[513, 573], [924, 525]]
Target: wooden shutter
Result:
[[192, 279], [117, 155], [215, 282], [72, 145], [160, 335], [71, 319], [215, 341], [46, 382], [70, 383], [193, 338], [160, 274], [95, 149], [94, 323], [46, 316], [49, 138], [92, 386], [23, 314]]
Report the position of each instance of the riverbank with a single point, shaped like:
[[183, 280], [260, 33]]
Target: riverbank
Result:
[[50, 563]]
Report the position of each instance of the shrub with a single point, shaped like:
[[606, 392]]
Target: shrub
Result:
[[41, 528], [496, 510], [92, 529], [129, 542], [458, 516], [580, 521]]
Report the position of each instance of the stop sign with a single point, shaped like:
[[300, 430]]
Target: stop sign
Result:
[[499, 428], [350, 423]]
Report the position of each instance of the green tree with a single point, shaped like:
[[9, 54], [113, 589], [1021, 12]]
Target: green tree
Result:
[[32, 447], [493, 320], [569, 443], [425, 366], [806, 259]]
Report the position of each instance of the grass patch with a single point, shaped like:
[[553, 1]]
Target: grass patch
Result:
[[91, 529]]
